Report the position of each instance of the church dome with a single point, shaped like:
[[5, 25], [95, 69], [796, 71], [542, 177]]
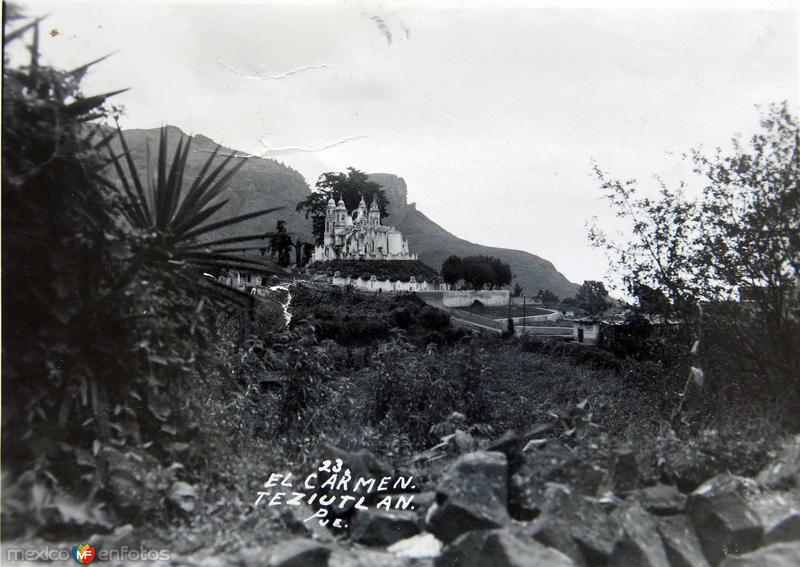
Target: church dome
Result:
[[340, 205], [331, 203]]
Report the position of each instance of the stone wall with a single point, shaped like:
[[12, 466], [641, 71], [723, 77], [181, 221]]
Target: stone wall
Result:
[[374, 284], [493, 298]]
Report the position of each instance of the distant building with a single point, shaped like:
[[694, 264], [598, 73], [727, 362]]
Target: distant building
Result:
[[359, 236], [586, 330], [254, 282]]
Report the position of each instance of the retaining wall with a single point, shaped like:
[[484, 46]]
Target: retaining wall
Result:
[[495, 298]]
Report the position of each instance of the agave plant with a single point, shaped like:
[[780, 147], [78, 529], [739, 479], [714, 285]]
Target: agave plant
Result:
[[176, 218]]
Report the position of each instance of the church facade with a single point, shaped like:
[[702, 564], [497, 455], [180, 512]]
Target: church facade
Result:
[[359, 236]]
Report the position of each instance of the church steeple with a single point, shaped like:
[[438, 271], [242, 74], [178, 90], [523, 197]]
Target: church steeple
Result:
[[374, 213]]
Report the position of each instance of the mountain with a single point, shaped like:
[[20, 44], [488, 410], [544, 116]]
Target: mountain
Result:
[[259, 184], [433, 243], [264, 183]]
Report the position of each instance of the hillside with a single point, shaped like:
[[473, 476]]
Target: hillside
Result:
[[259, 184], [264, 183]]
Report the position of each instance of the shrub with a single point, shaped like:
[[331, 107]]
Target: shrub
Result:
[[432, 318]]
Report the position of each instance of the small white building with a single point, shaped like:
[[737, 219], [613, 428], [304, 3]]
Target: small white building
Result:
[[586, 330]]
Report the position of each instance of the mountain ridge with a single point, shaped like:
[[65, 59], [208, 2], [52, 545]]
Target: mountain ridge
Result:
[[264, 182]]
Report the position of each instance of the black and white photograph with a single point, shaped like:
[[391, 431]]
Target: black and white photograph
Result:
[[400, 283]]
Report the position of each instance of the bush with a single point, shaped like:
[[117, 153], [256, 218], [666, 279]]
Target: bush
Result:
[[432, 318]]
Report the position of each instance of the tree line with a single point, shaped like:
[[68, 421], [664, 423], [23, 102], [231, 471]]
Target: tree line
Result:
[[478, 271]]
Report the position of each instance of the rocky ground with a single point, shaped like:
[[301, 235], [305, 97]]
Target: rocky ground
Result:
[[529, 499], [522, 501]]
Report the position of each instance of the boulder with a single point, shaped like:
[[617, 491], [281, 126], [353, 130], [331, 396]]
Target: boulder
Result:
[[779, 514], [299, 552], [661, 499], [471, 495], [775, 555], [253, 557], [687, 466], [420, 546], [578, 527], [550, 463], [422, 502], [499, 548], [681, 542], [511, 443], [784, 472], [371, 557], [295, 518], [382, 527], [362, 464], [724, 522], [641, 543], [625, 473]]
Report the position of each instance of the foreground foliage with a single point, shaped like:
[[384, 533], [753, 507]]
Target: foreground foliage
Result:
[[103, 282], [727, 261]]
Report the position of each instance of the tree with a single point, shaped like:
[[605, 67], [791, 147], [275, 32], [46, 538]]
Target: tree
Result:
[[517, 290], [302, 252], [547, 296], [502, 272], [651, 301], [477, 271], [280, 244], [741, 233], [452, 270], [350, 187], [592, 297]]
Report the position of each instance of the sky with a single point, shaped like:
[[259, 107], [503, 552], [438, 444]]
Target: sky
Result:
[[493, 113]]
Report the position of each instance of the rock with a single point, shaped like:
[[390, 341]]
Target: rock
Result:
[[381, 527], [780, 516], [123, 535], [463, 441], [499, 548], [364, 557], [784, 472], [625, 474], [551, 463], [508, 442], [724, 522], [511, 442], [687, 466], [681, 542], [775, 555], [641, 543], [661, 499], [423, 501], [472, 495], [576, 526], [295, 518], [253, 557], [362, 464], [299, 552], [420, 546]]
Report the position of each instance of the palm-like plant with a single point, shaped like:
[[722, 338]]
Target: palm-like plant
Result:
[[175, 222]]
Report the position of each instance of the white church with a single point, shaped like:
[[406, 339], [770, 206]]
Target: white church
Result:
[[359, 236]]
